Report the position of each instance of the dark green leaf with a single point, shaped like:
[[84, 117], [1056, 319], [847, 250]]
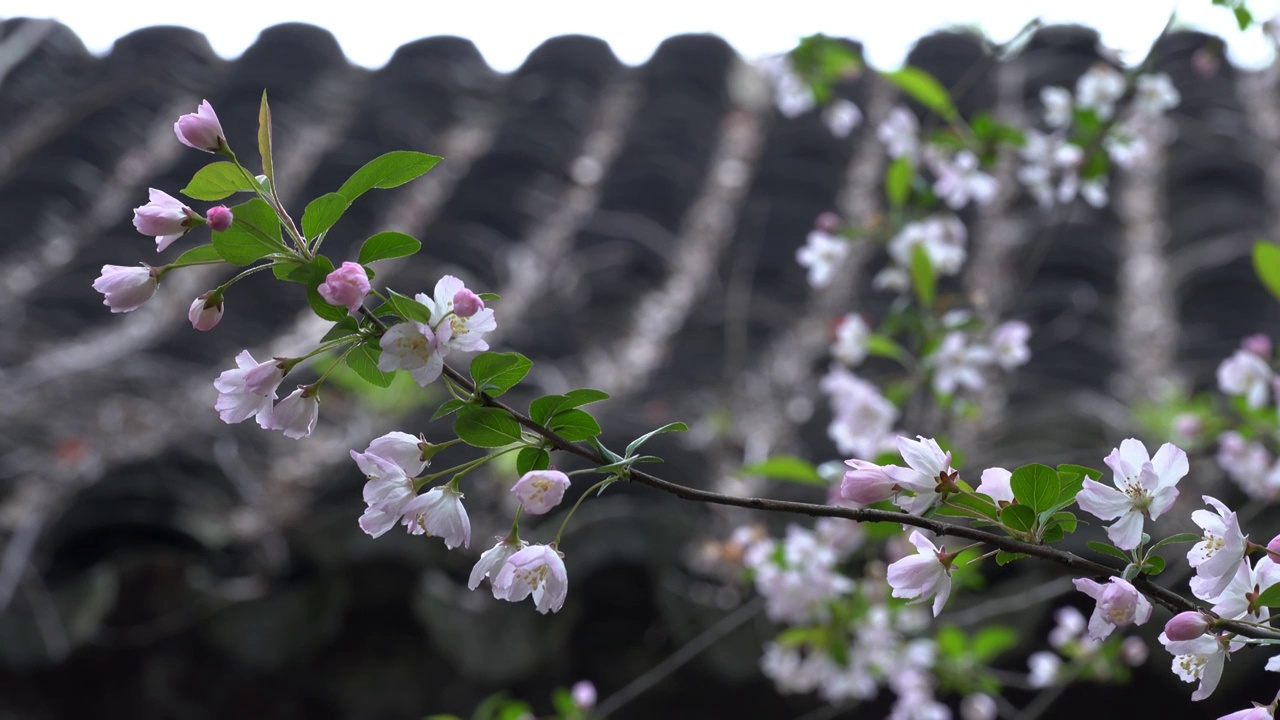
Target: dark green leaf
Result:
[[1266, 263], [1153, 565], [923, 278], [1105, 549], [574, 425], [264, 139], [1018, 517], [387, 171], [1173, 539], [973, 507], [486, 427], [386, 245], [1270, 597], [495, 373], [254, 234], [1244, 18], [344, 327], [532, 458], [218, 180], [1004, 557], [318, 270], [1065, 520], [364, 361], [897, 181], [924, 89], [286, 269], [198, 254], [785, 467], [1035, 486], [407, 307], [448, 406], [542, 409], [670, 427], [1080, 470], [322, 213]]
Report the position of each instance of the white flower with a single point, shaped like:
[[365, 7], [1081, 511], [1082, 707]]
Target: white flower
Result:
[[899, 133], [797, 577], [1217, 555], [1094, 191], [1249, 464], [957, 364], [1247, 374], [978, 706], [921, 576], [413, 346], [583, 694], [1155, 94], [1237, 600], [927, 463], [852, 335], [943, 238], [402, 449], [1119, 604], [1044, 668], [465, 334], [1099, 89], [862, 418], [439, 513], [792, 95], [165, 218], [537, 570], [1199, 659], [296, 415], [1069, 628], [995, 484], [959, 180], [892, 278], [1057, 103], [841, 117], [1009, 343], [1124, 145], [386, 493], [1257, 712], [124, 288], [823, 253], [248, 390], [540, 490], [1145, 485], [492, 561]]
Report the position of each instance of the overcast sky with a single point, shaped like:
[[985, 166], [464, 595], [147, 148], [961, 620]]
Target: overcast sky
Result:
[[505, 32]]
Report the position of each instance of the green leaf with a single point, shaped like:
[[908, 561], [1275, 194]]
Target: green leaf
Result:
[[584, 396], [364, 360], [447, 407], [489, 297], [670, 427], [924, 89], [1035, 486], [495, 373], [1153, 565], [344, 327], [264, 139], [532, 458], [1244, 18], [407, 307], [254, 234], [1270, 597], [1105, 549], [486, 427], [198, 254], [387, 171], [992, 640], [1172, 539], [884, 346], [574, 425], [1065, 520], [1080, 470], [973, 507], [322, 213], [1266, 263], [285, 269], [785, 467], [542, 409], [1018, 517], [1004, 557], [923, 278], [897, 181], [386, 245], [218, 180]]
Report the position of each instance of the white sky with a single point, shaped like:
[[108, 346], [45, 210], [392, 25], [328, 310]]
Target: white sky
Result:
[[506, 31]]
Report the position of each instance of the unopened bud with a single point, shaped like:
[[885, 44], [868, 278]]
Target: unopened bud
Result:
[[1187, 625], [466, 303], [205, 312], [1259, 345], [219, 218]]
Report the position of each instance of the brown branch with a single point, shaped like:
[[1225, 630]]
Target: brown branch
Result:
[[1080, 566]]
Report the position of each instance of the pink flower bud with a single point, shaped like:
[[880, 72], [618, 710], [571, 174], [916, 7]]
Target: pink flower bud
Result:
[[205, 313], [466, 303], [866, 483], [828, 222], [1133, 651], [219, 218], [296, 415], [201, 129], [1274, 545], [126, 288], [1259, 345], [1187, 625], [583, 694], [165, 218], [540, 490], [346, 287], [1188, 425]]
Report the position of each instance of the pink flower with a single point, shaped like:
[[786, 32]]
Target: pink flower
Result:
[[219, 218], [165, 218], [537, 570], [205, 313], [1143, 485], [1259, 344], [995, 485], [248, 390], [1257, 712], [927, 465], [125, 289], [1201, 658], [415, 347], [439, 513], [1187, 625], [1239, 599], [346, 287], [296, 415], [466, 303], [540, 490], [917, 577], [1274, 545], [492, 561], [386, 493], [201, 129], [1246, 374], [583, 694], [1218, 554], [1119, 604], [1009, 343], [866, 483], [465, 332], [403, 449]]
